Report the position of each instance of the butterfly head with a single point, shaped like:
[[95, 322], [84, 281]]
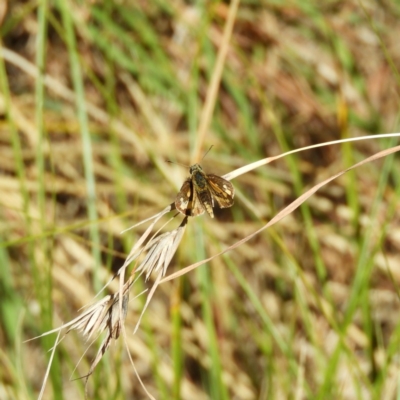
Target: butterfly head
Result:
[[195, 168]]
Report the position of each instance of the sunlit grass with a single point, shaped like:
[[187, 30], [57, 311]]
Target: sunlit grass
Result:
[[308, 309]]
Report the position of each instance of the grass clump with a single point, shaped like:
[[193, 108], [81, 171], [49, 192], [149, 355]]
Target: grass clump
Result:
[[96, 96]]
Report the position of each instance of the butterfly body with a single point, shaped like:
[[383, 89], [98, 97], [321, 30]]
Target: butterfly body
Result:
[[199, 191]]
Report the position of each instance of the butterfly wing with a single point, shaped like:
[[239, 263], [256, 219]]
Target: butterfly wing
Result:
[[187, 201], [196, 206], [221, 190]]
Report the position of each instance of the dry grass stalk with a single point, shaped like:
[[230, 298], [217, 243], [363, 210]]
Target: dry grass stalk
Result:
[[109, 313]]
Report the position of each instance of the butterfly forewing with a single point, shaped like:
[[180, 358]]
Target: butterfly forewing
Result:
[[199, 192], [222, 190], [187, 201]]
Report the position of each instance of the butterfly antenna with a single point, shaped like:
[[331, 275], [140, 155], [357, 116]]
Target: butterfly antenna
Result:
[[186, 166], [207, 152], [173, 162]]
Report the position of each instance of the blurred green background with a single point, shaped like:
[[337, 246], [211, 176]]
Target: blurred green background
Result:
[[95, 96]]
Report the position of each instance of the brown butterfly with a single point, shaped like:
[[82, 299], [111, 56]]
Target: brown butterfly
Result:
[[200, 190]]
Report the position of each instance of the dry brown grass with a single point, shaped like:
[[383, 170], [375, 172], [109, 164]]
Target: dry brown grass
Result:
[[306, 310]]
